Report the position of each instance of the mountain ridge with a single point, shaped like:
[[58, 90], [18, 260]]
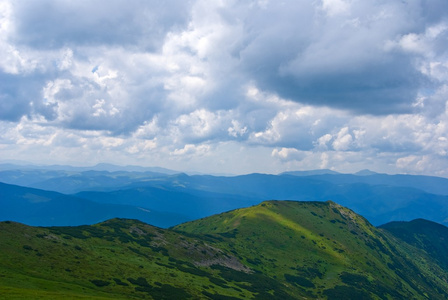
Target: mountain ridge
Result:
[[47, 208], [380, 198], [274, 250]]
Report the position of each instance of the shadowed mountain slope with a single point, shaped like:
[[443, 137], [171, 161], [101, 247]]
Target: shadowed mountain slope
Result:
[[210, 194], [423, 234], [45, 208]]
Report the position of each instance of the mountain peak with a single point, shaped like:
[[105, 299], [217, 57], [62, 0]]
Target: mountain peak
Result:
[[365, 172]]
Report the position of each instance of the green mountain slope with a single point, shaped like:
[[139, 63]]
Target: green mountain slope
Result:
[[275, 250], [331, 247], [122, 259], [426, 235]]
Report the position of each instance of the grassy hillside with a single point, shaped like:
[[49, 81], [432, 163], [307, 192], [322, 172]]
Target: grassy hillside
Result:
[[115, 259], [275, 250], [423, 234], [324, 249]]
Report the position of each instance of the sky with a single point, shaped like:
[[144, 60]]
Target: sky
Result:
[[226, 86]]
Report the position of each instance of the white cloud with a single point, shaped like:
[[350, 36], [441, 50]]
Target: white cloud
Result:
[[335, 7], [324, 161], [191, 149], [323, 141], [225, 84], [343, 140], [236, 129], [287, 154], [198, 125]]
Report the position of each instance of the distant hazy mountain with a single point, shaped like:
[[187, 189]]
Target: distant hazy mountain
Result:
[[44, 208], [365, 172], [429, 184], [276, 250], [129, 168], [310, 172], [69, 182], [98, 167], [378, 202], [379, 197], [193, 203]]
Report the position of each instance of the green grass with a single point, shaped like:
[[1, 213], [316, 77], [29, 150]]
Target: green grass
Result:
[[275, 250], [89, 261], [319, 242]]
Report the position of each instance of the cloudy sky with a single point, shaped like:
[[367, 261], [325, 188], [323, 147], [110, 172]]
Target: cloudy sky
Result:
[[226, 86]]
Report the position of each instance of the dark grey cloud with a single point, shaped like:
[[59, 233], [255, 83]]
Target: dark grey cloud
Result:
[[19, 94], [433, 11], [299, 52], [373, 89], [53, 24]]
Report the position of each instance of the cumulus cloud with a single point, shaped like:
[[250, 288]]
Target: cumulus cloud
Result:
[[191, 149], [340, 84], [287, 154], [339, 56], [343, 140], [236, 129]]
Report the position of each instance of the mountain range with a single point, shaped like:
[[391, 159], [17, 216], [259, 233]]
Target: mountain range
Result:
[[170, 198], [274, 250], [46, 208]]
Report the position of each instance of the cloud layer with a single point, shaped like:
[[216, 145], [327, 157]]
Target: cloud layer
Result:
[[227, 86]]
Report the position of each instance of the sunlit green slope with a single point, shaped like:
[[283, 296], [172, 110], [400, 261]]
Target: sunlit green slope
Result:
[[324, 249], [122, 259], [275, 250]]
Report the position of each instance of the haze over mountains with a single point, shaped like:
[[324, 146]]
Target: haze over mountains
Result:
[[166, 198], [223, 240]]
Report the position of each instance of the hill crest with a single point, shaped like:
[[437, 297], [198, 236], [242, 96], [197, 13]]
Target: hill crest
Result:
[[274, 250]]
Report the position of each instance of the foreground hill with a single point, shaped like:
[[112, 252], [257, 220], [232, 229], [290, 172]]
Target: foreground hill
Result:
[[275, 250], [328, 249]]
